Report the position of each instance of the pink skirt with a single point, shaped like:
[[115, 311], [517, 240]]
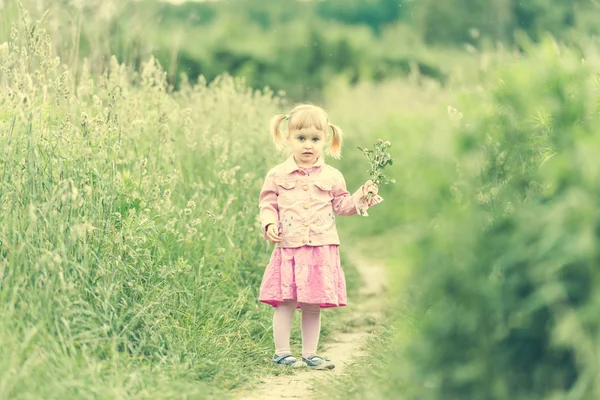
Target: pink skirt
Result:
[[308, 274]]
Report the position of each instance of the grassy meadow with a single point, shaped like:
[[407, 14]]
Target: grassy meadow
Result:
[[131, 253], [131, 249]]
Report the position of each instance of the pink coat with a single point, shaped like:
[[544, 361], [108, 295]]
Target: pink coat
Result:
[[304, 204]]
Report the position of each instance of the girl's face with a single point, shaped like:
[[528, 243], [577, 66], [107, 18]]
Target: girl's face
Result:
[[307, 145]]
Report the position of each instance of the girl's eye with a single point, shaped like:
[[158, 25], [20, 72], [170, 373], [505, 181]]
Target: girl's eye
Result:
[[301, 138], [315, 139]]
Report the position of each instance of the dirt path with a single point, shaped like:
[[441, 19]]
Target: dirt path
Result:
[[343, 347]]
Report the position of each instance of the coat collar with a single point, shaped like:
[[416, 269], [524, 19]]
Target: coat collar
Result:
[[290, 165]]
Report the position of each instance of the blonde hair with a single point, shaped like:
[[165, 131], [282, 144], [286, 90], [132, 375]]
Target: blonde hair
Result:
[[307, 116]]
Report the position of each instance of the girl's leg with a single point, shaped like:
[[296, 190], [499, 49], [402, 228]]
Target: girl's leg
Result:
[[282, 325], [311, 328]]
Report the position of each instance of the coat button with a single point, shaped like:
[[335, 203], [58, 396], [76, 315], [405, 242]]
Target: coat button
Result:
[[305, 187], [286, 185], [304, 241], [306, 206], [306, 224]]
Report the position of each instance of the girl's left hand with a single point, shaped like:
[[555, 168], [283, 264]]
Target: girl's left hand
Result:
[[370, 187]]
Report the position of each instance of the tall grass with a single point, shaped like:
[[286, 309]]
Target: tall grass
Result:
[[131, 253]]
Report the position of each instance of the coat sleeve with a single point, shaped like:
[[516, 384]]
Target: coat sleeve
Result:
[[346, 204], [269, 211], [343, 202]]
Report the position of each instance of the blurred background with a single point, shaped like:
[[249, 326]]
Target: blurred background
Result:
[[300, 47], [134, 143]]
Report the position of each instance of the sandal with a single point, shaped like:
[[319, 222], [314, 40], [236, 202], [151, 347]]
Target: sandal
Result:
[[289, 360], [318, 362]]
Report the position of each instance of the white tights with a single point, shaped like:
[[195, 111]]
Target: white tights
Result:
[[311, 327]]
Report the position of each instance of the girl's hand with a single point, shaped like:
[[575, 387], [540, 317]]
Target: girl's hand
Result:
[[273, 234], [371, 188]]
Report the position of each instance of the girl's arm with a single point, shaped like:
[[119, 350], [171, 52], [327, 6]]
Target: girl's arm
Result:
[[346, 204], [269, 212]]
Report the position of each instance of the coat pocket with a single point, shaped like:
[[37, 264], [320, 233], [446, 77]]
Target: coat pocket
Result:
[[286, 192], [323, 191]]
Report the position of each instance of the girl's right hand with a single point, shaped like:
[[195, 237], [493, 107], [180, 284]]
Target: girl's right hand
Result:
[[273, 234]]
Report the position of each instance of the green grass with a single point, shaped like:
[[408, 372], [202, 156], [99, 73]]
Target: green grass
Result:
[[131, 252]]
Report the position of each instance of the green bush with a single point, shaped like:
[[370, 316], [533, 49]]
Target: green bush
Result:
[[373, 13], [508, 274], [496, 217], [467, 21]]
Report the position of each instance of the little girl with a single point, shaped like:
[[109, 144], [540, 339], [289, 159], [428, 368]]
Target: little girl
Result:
[[298, 204]]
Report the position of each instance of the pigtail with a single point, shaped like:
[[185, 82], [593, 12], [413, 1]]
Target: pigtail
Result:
[[276, 133], [335, 150]]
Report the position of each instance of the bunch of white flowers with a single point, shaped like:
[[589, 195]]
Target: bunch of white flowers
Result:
[[378, 158]]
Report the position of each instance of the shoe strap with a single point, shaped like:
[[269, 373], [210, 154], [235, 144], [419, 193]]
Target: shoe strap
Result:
[[283, 357], [316, 356]]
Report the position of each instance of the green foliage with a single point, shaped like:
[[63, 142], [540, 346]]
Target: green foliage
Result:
[[541, 16], [290, 53], [467, 21], [297, 47], [379, 158], [512, 280], [462, 20], [505, 282], [286, 45], [131, 254], [373, 13]]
